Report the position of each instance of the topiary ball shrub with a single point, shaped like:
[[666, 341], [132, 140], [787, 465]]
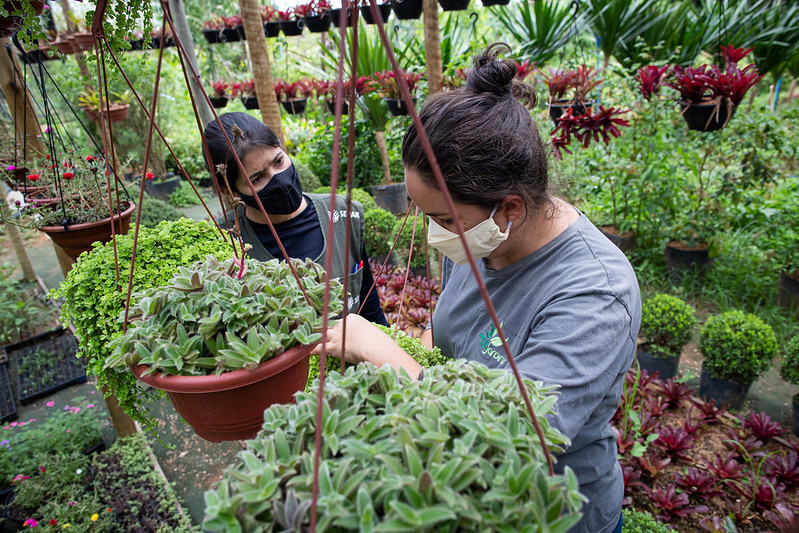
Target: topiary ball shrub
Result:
[[308, 180], [667, 322], [454, 451], [378, 231], [790, 362], [737, 347]]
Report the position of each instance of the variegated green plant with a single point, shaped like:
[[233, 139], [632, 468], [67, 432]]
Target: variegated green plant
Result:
[[454, 451], [214, 318]]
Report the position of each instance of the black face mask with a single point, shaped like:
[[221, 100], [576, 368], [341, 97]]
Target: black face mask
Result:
[[281, 196]]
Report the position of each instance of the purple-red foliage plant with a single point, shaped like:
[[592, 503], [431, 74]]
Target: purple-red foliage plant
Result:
[[741, 440], [761, 426], [675, 441], [631, 476], [676, 392], [651, 463], [785, 467], [656, 406], [725, 468], [690, 426], [603, 124], [649, 79], [712, 413], [786, 517], [698, 484], [670, 503]]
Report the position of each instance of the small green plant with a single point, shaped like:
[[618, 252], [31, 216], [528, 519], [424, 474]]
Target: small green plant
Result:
[[19, 308], [455, 451], [737, 347], [667, 322], [790, 362], [378, 232], [308, 179], [642, 522], [184, 196], [218, 317]]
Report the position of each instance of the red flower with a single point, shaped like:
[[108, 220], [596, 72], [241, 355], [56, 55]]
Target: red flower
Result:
[[149, 175], [53, 521], [33, 177], [47, 156], [90, 158], [68, 175]]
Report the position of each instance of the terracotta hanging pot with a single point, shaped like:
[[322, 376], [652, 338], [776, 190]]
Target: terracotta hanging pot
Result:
[[63, 45], [231, 406], [84, 40], [78, 238]]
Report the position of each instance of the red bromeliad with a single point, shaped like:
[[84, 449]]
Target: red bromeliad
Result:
[[591, 126], [649, 79]]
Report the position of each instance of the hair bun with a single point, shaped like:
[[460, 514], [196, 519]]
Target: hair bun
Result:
[[498, 76]]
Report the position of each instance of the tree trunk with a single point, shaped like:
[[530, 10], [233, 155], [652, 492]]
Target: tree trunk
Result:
[[381, 145], [432, 46], [258, 50], [184, 34], [790, 96], [20, 104]]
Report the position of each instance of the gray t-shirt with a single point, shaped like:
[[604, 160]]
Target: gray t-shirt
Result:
[[571, 312]]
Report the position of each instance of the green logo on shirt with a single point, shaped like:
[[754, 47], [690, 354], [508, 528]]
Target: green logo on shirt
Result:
[[488, 341]]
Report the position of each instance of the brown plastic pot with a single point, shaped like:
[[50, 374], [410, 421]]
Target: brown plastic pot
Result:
[[84, 41], [78, 238], [231, 406]]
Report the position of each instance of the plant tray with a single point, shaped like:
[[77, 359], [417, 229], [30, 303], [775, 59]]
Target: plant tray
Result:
[[39, 375], [8, 409]]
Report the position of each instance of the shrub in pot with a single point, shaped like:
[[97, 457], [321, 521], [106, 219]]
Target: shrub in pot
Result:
[[790, 373], [570, 88], [667, 323], [737, 347], [454, 451], [227, 339], [378, 232]]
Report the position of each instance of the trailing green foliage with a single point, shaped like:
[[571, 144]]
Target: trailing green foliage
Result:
[[667, 322], [217, 317], [454, 451], [642, 522], [93, 300], [790, 362], [737, 346], [378, 231]]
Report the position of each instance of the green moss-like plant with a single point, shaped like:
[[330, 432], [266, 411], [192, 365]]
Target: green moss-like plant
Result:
[[454, 451], [737, 347], [790, 362], [93, 301], [378, 231], [667, 322], [642, 522]]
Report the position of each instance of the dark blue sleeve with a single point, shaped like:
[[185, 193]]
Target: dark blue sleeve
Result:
[[371, 310]]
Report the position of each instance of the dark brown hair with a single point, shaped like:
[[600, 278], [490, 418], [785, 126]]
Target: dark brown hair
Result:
[[245, 132], [483, 137]]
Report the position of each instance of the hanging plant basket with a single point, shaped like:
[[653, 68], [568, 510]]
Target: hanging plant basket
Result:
[[290, 28], [557, 108], [64, 46], [707, 117], [231, 406], [331, 106], [385, 12], [250, 102], [117, 112], [489, 3], [84, 40], [8, 25], [213, 36], [218, 101], [318, 23], [78, 238], [334, 16], [136, 45], [397, 106], [294, 107], [407, 9], [453, 5], [271, 29]]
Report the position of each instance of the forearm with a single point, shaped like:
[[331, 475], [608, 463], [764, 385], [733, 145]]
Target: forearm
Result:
[[382, 350]]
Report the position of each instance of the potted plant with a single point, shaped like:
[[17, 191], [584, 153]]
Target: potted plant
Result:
[[379, 445], [221, 369], [407, 9], [82, 38], [667, 324], [246, 91], [315, 14], [570, 89], [790, 373], [93, 301], [335, 16], [453, 5], [454, 78], [386, 84], [290, 24], [269, 16], [89, 101], [221, 94], [782, 238], [589, 126], [77, 214], [378, 234], [159, 34], [293, 96], [709, 95], [366, 12], [738, 348]]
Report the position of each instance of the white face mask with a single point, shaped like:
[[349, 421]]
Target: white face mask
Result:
[[482, 239]]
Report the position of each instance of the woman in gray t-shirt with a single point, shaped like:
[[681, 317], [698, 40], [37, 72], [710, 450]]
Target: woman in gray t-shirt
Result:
[[566, 297]]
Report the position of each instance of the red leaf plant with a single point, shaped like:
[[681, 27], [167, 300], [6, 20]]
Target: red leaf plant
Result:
[[725, 468], [293, 90], [314, 8], [655, 405], [651, 463], [676, 392], [698, 484], [761, 426], [692, 428], [269, 13], [786, 518], [670, 503], [524, 69], [784, 467], [712, 413], [385, 82], [591, 126], [740, 440], [675, 441], [649, 79], [221, 88], [631, 476], [582, 81], [763, 492]]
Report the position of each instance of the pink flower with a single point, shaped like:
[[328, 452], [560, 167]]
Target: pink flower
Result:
[[21, 424], [11, 167], [67, 431], [42, 469], [30, 522], [71, 504], [13, 424], [90, 406], [50, 404]]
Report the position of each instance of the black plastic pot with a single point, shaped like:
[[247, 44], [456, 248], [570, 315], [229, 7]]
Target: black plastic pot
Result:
[[334, 15], [136, 44], [453, 5], [680, 260], [232, 35], [161, 189], [290, 28], [788, 292], [407, 9], [331, 106], [318, 23], [397, 106], [385, 12], [557, 108], [271, 29], [796, 415], [213, 36], [294, 107], [250, 102], [218, 101], [624, 241], [703, 117], [8, 408], [722, 391], [489, 3], [666, 367], [392, 198]]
